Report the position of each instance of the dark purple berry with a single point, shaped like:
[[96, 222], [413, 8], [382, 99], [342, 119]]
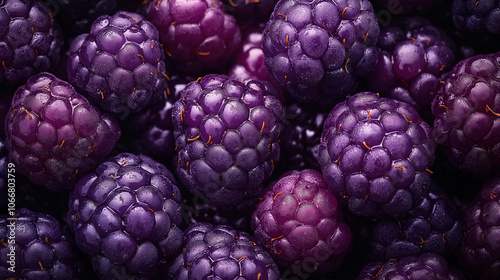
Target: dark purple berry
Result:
[[477, 16]]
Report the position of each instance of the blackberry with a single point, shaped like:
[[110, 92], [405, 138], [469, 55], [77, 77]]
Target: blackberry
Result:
[[226, 133], [316, 49], [467, 121], [477, 16], [198, 35], [30, 41], [125, 216], [415, 58], [479, 253], [425, 266], [42, 248], [301, 223], [221, 252], [431, 225], [54, 135], [120, 64], [375, 152]]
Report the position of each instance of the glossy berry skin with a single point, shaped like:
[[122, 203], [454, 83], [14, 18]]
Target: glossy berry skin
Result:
[[431, 225], [316, 49], [375, 152], [479, 253], [54, 135], [43, 248], [299, 222], [415, 59], [197, 35], [151, 131], [120, 64], [467, 121], [406, 6], [30, 41], [426, 266], [477, 16], [300, 138], [78, 16], [221, 252], [226, 133], [125, 216]]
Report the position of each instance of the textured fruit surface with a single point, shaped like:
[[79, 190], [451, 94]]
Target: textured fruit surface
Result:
[[151, 131], [197, 34], [300, 139], [477, 16], [30, 41], [425, 266], [467, 121], [119, 64], [375, 152], [301, 223], [221, 252], [54, 135], [315, 49], [226, 133], [125, 216], [415, 58], [431, 225], [479, 252], [43, 249]]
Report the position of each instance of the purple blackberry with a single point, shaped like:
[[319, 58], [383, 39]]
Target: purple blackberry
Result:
[[375, 152], [250, 10], [226, 134], [119, 64], [221, 252], [316, 49], [477, 16], [30, 41], [300, 223], [41, 247], [151, 131], [77, 16], [479, 253], [300, 138], [249, 58], [431, 225], [54, 135], [425, 266], [406, 6], [467, 121], [197, 34], [415, 58], [125, 216]]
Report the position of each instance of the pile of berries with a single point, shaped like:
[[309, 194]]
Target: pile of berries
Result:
[[249, 140]]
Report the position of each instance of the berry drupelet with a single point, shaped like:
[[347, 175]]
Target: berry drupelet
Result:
[[415, 58], [120, 64], [54, 135], [226, 133], [477, 16], [467, 115], [125, 216], [197, 35], [316, 49], [301, 224], [43, 248], [375, 152], [431, 225], [30, 41], [221, 252], [480, 249], [426, 266]]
